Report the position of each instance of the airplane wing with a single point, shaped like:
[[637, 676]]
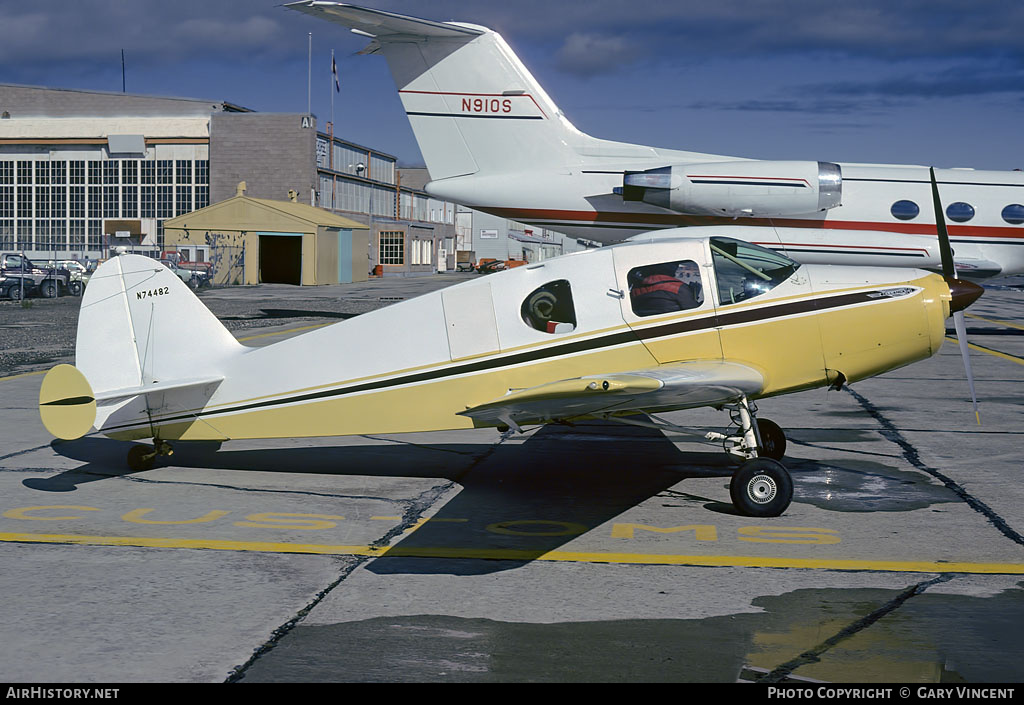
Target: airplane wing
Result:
[[676, 386], [376, 23]]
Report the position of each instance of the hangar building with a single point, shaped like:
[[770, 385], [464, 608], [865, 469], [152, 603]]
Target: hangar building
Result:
[[82, 172]]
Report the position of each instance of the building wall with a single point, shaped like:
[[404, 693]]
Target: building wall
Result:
[[35, 101], [271, 152]]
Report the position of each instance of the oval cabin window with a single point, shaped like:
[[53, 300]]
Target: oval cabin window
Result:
[[1014, 214], [904, 210], [960, 212]]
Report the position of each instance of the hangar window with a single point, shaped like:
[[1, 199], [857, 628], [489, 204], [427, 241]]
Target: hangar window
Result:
[[665, 287], [1014, 214], [960, 212], [745, 270], [549, 308], [904, 210], [392, 247]]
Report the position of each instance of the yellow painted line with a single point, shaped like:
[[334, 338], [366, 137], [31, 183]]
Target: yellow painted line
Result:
[[512, 554], [24, 374], [990, 351], [996, 321], [284, 332]]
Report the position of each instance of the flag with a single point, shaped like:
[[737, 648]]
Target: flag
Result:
[[334, 72]]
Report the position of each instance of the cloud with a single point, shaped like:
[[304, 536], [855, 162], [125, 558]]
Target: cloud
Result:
[[961, 80], [591, 54]]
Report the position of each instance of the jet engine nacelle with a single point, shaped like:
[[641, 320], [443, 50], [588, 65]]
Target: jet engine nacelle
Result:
[[739, 188]]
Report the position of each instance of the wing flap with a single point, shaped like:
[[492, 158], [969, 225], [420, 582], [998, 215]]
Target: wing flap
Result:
[[676, 386]]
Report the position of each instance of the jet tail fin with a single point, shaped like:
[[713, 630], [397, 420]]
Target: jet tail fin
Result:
[[473, 106]]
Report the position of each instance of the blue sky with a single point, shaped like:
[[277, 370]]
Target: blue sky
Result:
[[886, 81]]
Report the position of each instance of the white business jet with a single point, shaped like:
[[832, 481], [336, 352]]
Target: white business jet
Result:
[[493, 140]]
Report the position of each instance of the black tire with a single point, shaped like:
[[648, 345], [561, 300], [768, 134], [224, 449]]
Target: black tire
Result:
[[14, 293], [773, 439], [761, 487], [141, 458], [75, 288], [193, 283], [48, 289]]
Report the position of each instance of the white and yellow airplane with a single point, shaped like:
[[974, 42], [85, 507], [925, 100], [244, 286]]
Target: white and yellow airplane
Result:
[[610, 333], [494, 140]]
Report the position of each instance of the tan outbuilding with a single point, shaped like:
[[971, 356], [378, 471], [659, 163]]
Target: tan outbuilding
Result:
[[256, 240]]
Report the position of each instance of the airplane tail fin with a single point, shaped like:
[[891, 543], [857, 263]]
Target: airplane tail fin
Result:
[[473, 106], [141, 332]]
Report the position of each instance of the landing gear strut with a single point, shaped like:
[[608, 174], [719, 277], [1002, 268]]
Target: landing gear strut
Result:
[[144, 457], [761, 485]]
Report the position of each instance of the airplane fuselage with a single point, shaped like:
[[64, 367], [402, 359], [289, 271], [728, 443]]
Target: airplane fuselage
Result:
[[580, 201], [419, 365]]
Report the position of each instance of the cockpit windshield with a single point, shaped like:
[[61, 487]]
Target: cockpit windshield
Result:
[[745, 270]]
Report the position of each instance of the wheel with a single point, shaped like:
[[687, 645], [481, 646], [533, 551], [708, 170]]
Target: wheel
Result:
[[75, 288], [49, 290], [193, 283], [141, 458], [773, 440], [761, 487], [14, 293]]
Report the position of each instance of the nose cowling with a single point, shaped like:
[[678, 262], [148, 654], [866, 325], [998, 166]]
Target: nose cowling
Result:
[[963, 293]]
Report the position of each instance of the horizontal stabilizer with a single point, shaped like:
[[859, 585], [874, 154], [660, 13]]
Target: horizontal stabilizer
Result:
[[117, 394], [967, 268], [377, 23]]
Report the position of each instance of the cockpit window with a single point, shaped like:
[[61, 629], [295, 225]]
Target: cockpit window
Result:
[[549, 308], [665, 287], [745, 270]]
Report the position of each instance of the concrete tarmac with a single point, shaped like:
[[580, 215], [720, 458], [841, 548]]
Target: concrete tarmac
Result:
[[597, 552]]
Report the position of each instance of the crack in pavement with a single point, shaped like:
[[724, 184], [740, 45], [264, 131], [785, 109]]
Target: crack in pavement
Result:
[[780, 673], [410, 517], [912, 456]]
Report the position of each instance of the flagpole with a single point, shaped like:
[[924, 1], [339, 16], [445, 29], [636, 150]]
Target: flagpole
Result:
[[309, 78], [333, 79]]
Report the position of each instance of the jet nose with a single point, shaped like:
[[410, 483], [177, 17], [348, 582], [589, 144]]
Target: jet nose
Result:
[[963, 294]]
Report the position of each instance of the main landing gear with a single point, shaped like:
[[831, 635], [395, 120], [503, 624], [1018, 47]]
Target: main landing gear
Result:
[[761, 485], [144, 457]]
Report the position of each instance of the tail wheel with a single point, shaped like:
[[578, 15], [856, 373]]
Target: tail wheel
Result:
[[773, 440], [761, 487], [141, 458]]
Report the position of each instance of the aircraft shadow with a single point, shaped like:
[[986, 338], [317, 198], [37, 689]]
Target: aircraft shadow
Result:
[[105, 458], [521, 500], [273, 313], [525, 500]]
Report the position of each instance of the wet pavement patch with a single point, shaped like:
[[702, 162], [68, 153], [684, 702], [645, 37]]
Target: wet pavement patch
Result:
[[865, 486], [931, 637]]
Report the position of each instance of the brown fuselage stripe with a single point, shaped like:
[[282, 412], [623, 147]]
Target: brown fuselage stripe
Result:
[[720, 320]]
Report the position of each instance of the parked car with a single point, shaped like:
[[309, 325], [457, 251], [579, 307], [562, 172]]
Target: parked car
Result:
[[11, 288], [79, 273], [193, 277], [491, 266], [50, 280], [181, 259]]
